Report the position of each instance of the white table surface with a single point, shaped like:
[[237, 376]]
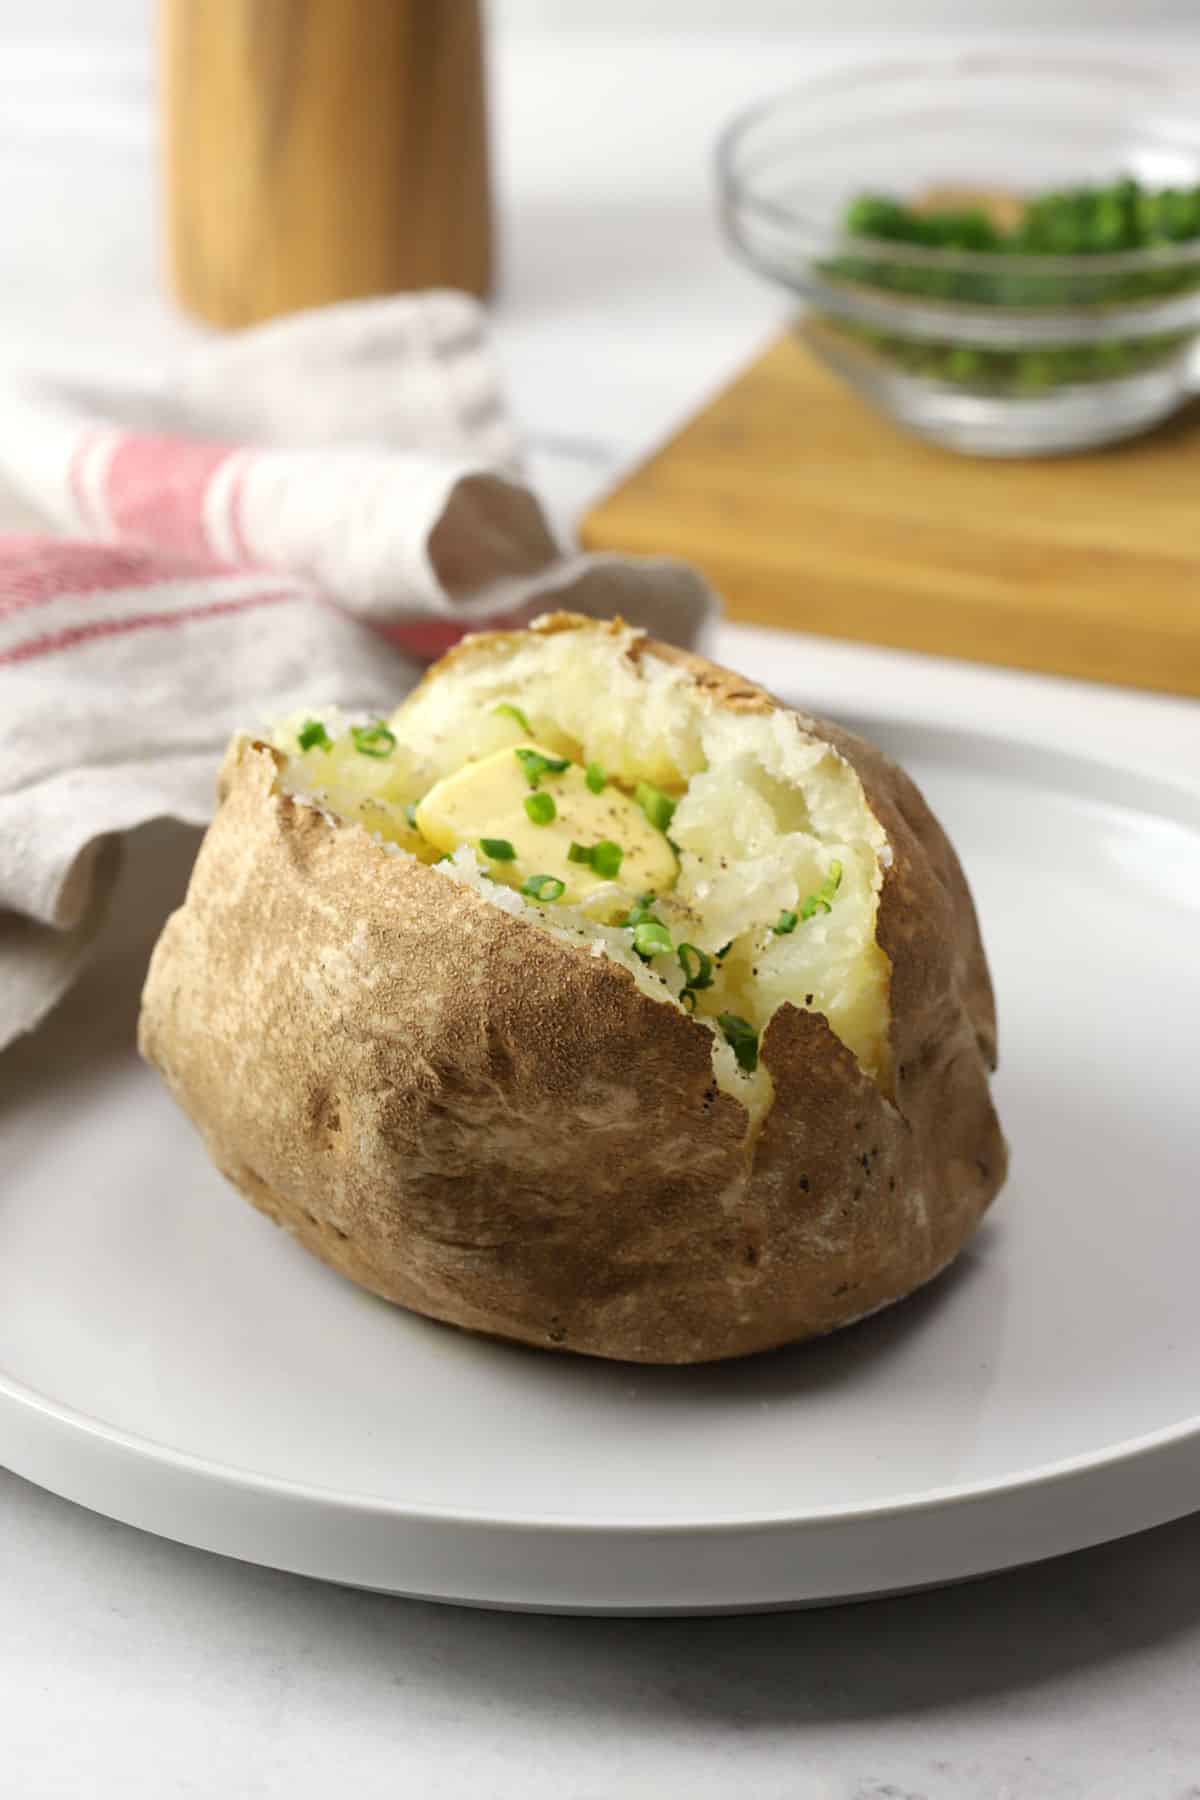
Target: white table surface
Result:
[[132, 1667]]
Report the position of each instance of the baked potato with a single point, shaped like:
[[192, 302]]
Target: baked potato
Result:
[[595, 999]]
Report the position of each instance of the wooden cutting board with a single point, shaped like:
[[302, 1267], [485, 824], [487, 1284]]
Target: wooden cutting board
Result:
[[806, 509]]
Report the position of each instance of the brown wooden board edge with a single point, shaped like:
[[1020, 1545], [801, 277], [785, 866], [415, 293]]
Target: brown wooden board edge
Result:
[[933, 618]]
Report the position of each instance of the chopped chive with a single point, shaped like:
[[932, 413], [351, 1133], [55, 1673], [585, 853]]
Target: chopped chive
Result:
[[652, 939], [543, 887], [742, 1039], [687, 999], [506, 710], [596, 777], [641, 910], [607, 858], [373, 740], [696, 965], [658, 807], [499, 849], [312, 735], [822, 900], [724, 950], [541, 808], [535, 765], [785, 923]]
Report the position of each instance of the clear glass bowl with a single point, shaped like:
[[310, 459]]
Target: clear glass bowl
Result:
[[993, 354]]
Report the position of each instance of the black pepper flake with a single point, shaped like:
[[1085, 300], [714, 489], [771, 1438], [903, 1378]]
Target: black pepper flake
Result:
[[804, 1184], [808, 999], [891, 1184]]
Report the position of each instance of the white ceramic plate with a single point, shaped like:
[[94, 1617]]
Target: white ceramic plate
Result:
[[170, 1358]]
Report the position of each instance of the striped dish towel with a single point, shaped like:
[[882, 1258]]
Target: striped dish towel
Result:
[[301, 515]]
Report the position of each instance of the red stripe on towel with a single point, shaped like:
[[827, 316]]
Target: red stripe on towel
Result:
[[156, 490], [34, 569], [52, 641]]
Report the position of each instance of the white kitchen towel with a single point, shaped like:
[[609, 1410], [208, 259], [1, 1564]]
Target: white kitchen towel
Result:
[[299, 515]]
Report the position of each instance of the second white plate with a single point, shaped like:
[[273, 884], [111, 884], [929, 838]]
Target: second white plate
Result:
[[168, 1357]]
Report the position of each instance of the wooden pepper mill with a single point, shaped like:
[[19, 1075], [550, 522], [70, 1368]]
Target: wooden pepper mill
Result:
[[316, 150]]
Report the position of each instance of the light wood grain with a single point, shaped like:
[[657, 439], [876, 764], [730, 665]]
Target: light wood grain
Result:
[[317, 150], [807, 510]]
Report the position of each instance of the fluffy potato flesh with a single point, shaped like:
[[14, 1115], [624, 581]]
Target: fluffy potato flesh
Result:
[[748, 863], [540, 807]]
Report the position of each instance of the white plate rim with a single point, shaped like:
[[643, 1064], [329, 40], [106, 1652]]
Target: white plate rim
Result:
[[1080, 1477], [1127, 1451]]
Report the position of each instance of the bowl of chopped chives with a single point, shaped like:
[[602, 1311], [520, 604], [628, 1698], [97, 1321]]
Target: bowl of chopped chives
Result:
[[999, 251]]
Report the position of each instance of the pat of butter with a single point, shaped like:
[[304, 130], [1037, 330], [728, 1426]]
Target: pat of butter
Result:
[[486, 799], [383, 819]]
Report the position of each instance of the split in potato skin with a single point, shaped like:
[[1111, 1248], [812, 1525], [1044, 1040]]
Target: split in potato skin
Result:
[[729, 860], [515, 1113]]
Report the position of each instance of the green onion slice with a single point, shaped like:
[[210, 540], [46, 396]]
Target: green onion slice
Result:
[[652, 939], [541, 808], [658, 807], [605, 857], [313, 736], [543, 887], [373, 740], [822, 900], [696, 965], [535, 765], [785, 924], [506, 710], [642, 909], [596, 776], [742, 1039], [499, 849]]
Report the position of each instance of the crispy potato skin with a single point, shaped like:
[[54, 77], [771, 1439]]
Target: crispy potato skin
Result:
[[497, 1130]]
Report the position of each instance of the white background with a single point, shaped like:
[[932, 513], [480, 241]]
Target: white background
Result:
[[131, 1669], [788, 18], [110, 20]]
